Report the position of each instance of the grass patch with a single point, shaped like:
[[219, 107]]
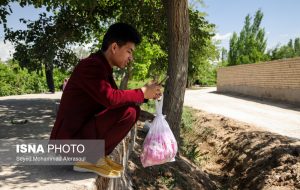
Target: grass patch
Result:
[[193, 133], [166, 177], [192, 152], [187, 119], [169, 182]]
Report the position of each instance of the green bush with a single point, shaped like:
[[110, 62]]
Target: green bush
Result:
[[58, 77], [133, 84], [149, 106], [15, 80]]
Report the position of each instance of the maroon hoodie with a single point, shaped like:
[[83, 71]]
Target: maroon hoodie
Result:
[[90, 90]]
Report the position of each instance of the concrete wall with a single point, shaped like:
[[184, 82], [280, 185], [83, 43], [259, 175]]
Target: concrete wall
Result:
[[277, 80]]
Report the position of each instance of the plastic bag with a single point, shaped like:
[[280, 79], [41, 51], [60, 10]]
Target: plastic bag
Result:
[[160, 145]]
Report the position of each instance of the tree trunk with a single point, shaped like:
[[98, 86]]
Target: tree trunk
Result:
[[126, 77], [178, 47], [121, 155], [48, 60], [49, 76], [189, 83]]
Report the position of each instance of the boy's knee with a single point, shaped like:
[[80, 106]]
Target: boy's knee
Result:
[[132, 113]]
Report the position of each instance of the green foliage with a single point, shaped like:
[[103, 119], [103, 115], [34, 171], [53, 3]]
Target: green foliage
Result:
[[250, 45], [4, 11], [146, 60], [290, 50], [224, 56], [133, 84], [149, 106], [59, 76], [151, 55], [45, 42], [170, 182], [15, 80], [202, 51], [297, 46], [207, 74], [192, 152], [192, 132]]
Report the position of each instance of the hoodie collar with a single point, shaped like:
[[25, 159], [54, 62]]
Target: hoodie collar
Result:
[[101, 56]]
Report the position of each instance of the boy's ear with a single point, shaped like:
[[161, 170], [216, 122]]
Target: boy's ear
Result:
[[114, 47]]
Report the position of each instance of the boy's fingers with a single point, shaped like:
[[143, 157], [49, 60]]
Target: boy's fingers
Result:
[[150, 82]]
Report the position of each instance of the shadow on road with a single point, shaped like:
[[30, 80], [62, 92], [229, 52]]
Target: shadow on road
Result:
[[20, 177], [40, 115]]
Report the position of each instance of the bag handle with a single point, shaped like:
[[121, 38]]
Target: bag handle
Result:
[[159, 105]]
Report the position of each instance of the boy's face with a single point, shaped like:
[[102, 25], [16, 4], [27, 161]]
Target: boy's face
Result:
[[122, 55]]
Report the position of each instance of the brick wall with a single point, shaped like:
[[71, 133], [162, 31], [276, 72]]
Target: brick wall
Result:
[[277, 80]]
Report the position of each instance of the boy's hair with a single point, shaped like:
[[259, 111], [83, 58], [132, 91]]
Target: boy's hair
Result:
[[120, 33]]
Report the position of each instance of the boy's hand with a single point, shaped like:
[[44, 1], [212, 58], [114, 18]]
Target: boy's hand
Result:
[[151, 90]]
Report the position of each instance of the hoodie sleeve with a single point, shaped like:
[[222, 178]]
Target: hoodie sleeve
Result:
[[93, 78]]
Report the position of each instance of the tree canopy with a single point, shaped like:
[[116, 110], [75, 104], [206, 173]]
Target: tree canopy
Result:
[[250, 45], [290, 50], [46, 42]]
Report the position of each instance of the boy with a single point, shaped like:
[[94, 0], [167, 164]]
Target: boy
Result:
[[92, 107]]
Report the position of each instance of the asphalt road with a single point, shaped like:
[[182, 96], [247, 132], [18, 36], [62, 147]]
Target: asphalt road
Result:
[[279, 118], [39, 111]]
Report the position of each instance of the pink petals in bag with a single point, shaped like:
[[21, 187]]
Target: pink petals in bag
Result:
[[160, 145]]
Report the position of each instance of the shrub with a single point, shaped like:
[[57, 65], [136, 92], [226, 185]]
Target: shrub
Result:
[[15, 80]]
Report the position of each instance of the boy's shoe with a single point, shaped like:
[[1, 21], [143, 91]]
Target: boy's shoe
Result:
[[102, 170], [113, 164]]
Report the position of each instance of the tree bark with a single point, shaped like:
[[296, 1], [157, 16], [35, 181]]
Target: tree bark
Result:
[[178, 47], [48, 61], [49, 76], [189, 83], [126, 77], [120, 154], [178, 29]]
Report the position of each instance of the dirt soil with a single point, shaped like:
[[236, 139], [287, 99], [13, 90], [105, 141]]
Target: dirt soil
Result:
[[221, 153]]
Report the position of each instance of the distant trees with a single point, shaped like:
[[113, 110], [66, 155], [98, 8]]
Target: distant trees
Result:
[[165, 26], [250, 45], [16, 80], [45, 44], [203, 50], [291, 49]]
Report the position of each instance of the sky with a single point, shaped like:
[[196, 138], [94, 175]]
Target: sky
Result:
[[281, 20], [28, 12]]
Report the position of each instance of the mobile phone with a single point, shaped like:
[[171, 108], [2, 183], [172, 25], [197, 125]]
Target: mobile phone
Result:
[[163, 80]]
